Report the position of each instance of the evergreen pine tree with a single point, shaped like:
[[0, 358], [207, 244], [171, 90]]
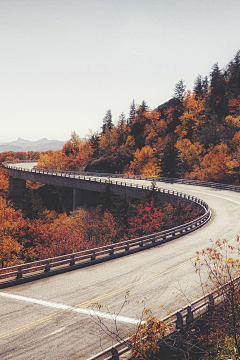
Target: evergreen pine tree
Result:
[[143, 107], [132, 113], [121, 120], [234, 76], [198, 86], [179, 90], [107, 122]]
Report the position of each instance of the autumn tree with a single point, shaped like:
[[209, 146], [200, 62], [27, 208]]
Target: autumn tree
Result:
[[217, 165], [149, 220], [51, 160], [144, 163], [4, 182], [144, 343], [74, 155], [232, 125], [234, 106], [77, 153], [12, 224], [155, 128], [189, 156], [193, 118]]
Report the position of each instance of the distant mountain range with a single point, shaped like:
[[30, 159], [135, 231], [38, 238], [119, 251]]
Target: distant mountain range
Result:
[[27, 145]]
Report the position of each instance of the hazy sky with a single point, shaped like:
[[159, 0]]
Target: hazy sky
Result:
[[64, 63]]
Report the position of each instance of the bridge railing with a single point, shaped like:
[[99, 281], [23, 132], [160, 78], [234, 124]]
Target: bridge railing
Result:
[[86, 257], [178, 319]]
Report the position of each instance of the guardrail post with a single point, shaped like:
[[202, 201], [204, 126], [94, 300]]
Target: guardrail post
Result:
[[210, 303], [93, 256], [19, 273], [153, 239], [141, 243], [72, 261], [189, 317], [114, 354], [47, 266], [126, 247], [179, 322], [111, 252]]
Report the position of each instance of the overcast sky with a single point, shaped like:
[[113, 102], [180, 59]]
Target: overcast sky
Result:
[[64, 63]]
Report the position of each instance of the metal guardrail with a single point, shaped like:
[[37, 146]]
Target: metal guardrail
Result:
[[87, 257], [177, 320]]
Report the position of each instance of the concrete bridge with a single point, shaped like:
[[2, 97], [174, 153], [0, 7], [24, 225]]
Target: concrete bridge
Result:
[[85, 186], [54, 318]]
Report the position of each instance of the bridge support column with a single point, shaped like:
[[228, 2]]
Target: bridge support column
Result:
[[16, 186], [74, 198], [77, 197]]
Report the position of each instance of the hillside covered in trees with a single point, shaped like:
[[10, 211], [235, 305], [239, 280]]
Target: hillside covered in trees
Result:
[[194, 135]]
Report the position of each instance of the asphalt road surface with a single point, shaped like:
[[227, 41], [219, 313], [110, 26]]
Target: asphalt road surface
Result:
[[69, 316]]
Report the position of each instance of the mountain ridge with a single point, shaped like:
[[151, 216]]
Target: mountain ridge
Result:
[[20, 144]]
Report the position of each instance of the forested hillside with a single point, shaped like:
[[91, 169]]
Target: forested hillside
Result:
[[194, 135]]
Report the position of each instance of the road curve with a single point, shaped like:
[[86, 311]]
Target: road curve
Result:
[[53, 318]]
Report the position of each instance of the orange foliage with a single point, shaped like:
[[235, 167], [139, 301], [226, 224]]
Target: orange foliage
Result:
[[144, 163], [83, 229], [12, 225], [4, 182], [189, 156], [73, 156], [193, 117], [216, 166], [234, 106], [51, 160], [144, 343], [235, 142]]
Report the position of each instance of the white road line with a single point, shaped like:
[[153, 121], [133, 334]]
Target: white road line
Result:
[[54, 332], [91, 312]]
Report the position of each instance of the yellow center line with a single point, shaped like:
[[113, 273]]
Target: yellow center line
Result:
[[29, 325], [127, 287], [89, 302]]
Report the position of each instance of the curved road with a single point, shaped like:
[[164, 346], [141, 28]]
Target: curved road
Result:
[[54, 318]]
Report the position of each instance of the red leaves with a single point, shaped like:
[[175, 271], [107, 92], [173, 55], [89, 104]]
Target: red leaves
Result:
[[149, 220], [234, 106]]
